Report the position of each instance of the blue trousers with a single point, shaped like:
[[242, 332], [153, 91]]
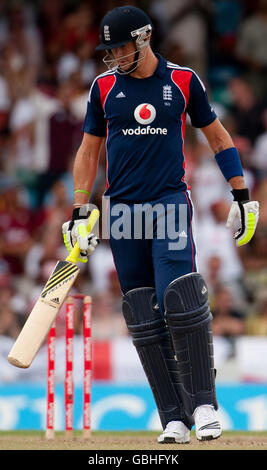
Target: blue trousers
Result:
[[162, 250]]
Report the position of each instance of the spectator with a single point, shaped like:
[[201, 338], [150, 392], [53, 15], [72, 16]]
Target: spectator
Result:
[[44, 105], [206, 177], [64, 137], [246, 109], [261, 194], [259, 155], [256, 255], [100, 266], [5, 277], [64, 133], [215, 242], [49, 16], [68, 64], [8, 322], [108, 321], [28, 149], [57, 206], [213, 272], [256, 323], [46, 249], [227, 20], [251, 48], [187, 28], [5, 103], [254, 260], [16, 226], [227, 320], [85, 52], [20, 32], [80, 78], [22, 127], [79, 28]]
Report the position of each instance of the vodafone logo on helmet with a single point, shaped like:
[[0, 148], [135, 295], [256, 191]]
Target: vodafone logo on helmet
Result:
[[145, 113]]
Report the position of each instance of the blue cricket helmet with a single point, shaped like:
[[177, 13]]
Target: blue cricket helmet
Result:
[[122, 25]]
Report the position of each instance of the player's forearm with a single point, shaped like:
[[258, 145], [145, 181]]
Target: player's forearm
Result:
[[237, 182], [85, 169], [84, 174], [226, 154], [218, 137]]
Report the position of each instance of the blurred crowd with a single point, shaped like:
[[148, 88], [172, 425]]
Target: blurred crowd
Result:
[[47, 63]]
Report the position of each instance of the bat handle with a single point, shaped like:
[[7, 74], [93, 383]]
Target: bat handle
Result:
[[75, 252]]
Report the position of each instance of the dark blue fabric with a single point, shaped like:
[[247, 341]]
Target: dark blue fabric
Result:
[[150, 262], [145, 159], [94, 122], [198, 108]]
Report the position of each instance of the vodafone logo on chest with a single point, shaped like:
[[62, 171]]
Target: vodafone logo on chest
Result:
[[144, 114]]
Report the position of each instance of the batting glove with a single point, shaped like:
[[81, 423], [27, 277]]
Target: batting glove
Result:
[[75, 230], [246, 212]]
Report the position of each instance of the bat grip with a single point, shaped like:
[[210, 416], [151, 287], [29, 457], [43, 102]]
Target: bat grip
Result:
[[75, 252]]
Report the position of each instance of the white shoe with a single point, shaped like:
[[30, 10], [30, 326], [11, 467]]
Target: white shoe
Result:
[[206, 423], [175, 432]]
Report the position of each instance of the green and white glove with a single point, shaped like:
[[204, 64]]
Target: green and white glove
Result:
[[246, 212], [75, 230]]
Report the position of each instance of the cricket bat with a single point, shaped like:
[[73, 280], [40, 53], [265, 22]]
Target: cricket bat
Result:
[[44, 312]]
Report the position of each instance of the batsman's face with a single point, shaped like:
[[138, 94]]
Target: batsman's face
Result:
[[124, 55]]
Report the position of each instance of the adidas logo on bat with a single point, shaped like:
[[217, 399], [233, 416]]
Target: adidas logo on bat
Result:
[[56, 300]]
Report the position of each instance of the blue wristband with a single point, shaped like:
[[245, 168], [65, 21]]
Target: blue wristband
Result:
[[229, 163]]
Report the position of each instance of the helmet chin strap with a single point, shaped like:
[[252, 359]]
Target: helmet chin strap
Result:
[[132, 67], [111, 62]]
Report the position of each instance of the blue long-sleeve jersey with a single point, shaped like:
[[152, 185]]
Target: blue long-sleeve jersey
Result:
[[143, 121]]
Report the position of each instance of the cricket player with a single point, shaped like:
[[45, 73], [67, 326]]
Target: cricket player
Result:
[[140, 106]]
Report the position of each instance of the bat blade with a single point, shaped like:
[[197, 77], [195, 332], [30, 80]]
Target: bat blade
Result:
[[43, 314]]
